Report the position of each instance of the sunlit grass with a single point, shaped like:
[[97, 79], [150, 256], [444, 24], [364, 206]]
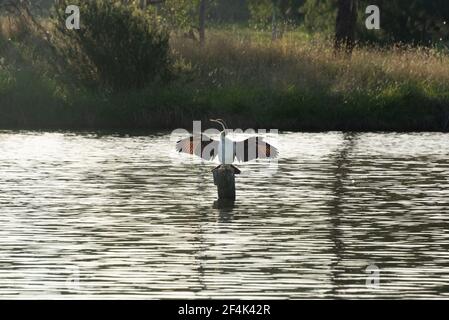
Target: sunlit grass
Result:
[[299, 61]]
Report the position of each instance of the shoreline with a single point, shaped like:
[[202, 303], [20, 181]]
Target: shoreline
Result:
[[292, 112]]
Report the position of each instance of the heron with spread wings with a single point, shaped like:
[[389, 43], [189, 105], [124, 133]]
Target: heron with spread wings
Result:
[[227, 150]]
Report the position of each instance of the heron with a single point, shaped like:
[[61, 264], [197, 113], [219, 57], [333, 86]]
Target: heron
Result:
[[226, 149]]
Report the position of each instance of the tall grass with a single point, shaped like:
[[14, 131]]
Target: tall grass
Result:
[[310, 64], [299, 83]]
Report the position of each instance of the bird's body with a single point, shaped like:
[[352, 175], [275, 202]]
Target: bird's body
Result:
[[227, 150]]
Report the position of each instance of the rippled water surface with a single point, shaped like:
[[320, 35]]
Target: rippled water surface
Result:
[[103, 216]]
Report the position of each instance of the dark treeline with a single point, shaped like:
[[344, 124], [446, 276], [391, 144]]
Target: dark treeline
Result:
[[422, 22]]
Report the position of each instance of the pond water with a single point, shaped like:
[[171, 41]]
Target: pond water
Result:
[[124, 216]]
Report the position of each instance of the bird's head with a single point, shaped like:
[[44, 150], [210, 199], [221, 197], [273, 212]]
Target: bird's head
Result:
[[221, 122]]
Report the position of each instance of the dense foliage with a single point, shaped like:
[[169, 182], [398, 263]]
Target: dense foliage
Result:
[[422, 22], [117, 47]]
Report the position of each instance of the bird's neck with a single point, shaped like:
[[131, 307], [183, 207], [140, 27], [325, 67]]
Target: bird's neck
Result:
[[223, 146]]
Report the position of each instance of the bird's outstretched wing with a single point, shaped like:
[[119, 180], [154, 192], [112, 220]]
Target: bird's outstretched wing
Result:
[[254, 148], [200, 145]]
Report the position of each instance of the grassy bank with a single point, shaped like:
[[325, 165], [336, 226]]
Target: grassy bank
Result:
[[296, 83]]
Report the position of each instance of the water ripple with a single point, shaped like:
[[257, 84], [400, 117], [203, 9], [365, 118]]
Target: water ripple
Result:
[[91, 215]]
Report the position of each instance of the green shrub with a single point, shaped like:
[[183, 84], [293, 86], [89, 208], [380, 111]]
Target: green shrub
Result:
[[117, 47]]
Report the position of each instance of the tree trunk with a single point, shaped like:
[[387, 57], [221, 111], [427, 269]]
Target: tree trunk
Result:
[[345, 26], [202, 22], [274, 31], [224, 179]]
